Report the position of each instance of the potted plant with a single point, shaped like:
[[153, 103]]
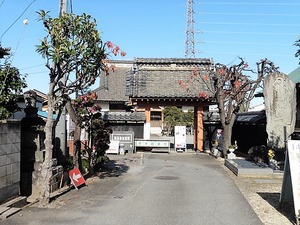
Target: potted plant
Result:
[[232, 148]]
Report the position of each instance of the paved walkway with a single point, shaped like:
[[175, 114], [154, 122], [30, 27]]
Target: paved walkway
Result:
[[147, 189]]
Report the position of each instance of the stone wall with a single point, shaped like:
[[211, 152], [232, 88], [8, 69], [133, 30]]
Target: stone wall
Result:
[[10, 142]]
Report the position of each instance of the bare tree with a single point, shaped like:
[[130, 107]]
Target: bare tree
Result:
[[232, 90]]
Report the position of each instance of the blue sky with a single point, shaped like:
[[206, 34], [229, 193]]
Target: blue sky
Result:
[[226, 30]]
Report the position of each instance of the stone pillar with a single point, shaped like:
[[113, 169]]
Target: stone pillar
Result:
[[32, 146], [280, 105]]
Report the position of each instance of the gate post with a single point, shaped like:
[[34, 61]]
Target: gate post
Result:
[[198, 126]]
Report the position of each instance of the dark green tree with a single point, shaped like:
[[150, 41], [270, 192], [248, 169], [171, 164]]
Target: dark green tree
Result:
[[90, 119], [11, 87], [188, 118], [174, 116], [297, 43], [75, 56]]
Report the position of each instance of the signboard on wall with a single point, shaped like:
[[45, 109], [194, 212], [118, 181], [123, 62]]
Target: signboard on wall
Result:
[[113, 147], [153, 143], [122, 137], [125, 138], [291, 179]]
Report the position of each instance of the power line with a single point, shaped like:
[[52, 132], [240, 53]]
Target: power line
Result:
[[242, 32], [244, 54], [2, 3], [256, 24], [248, 14], [16, 19], [30, 67], [39, 72], [248, 3], [245, 43]]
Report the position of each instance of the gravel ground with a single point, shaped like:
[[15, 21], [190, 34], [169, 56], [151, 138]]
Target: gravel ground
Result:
[[263, 195]]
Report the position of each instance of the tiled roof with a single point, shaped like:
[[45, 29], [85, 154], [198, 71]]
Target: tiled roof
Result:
[[178, 61], [152, 77], [124, 116], [257, 117], [160, 77], [112, 87]]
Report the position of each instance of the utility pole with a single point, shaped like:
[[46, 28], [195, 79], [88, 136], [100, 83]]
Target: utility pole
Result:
[[63, 6], [61, 128]]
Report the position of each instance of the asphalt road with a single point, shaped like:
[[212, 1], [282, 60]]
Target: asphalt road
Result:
[[162, 189]]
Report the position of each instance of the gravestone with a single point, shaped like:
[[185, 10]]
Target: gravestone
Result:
[[280, 106]]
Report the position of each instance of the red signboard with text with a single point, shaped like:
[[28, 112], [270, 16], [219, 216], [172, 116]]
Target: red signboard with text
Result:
[[76, 177]]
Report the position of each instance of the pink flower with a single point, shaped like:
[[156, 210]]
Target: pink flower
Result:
[[195, 72], [203, 95], [123, 54], [221, 71], [237, 84], [206, 77], [113, 68], [116, 50], [109, 44]]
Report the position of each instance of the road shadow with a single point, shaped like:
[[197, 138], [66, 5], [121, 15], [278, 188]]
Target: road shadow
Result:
[[286, 209], [112, 168]]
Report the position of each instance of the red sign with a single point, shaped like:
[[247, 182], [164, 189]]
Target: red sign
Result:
[[76, 177]]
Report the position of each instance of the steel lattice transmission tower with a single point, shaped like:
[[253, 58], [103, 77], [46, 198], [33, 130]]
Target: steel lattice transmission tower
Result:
[[190, 32]]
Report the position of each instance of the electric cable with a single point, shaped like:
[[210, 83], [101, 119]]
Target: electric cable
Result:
[[248, 3], [30, 67], [255, 24], [16, 20], [2, 3], [246, 43], [249, 14], [245, 32]]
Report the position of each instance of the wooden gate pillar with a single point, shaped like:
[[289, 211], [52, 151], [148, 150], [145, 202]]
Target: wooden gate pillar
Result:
[[198, 126], [147, 127]]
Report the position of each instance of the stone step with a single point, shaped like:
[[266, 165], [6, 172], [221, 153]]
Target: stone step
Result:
[[3, 209], [8, 212], [11, 207], [17, 202], [160, 150]]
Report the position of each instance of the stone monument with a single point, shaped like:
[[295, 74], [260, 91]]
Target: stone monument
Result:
[[280, 106], [32, 144]]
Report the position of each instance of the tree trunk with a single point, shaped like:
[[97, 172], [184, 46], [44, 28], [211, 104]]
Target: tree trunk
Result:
[[77, 146], [46, 173], [228, 134], [77, 133], [227, 139]]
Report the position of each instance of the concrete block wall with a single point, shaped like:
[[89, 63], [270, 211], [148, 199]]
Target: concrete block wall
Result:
[[10, 159]]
